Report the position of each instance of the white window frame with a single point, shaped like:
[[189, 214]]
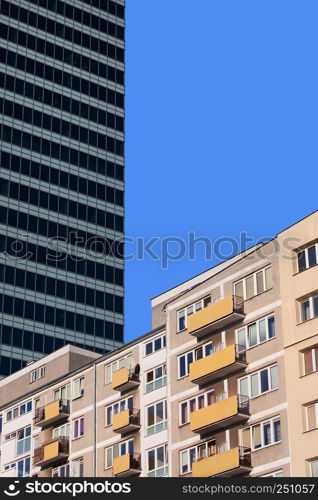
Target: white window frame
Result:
[[312, 405], [79, 427], [257, 323], [258, 374], [65, 467], [18, 408], [24, 440], [262, 424], [196, 399], [57, 393], [78, 388], [77, 467], [152, 342], [119, 363], [126, 444], [197, 454], [311, 467], [41, 373], [33, 376], [193, 352], [62, 431], [314, 363], [162, 470], [276, 473], [160, 425], [191, 309], [311, 308], [306, 253], [155, 384], [254, 275], [117, 407]]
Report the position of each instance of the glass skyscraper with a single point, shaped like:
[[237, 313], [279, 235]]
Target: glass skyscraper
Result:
[[61, 177]]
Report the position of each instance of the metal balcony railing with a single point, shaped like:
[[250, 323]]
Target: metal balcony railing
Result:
[[39, 416]]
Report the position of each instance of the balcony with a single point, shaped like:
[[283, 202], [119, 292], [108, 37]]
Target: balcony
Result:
[[217, 316], [225, 413], [125, 380], [51, 452], [51, 413], [127, 465], [219, 364], [230, 463], [126, 421]]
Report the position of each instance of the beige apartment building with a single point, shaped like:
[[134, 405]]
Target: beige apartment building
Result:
[[226, 383]]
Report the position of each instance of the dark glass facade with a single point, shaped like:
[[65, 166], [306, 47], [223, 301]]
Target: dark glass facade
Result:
[[61, 177]]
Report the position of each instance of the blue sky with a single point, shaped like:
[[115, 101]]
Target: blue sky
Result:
[[221, 124]]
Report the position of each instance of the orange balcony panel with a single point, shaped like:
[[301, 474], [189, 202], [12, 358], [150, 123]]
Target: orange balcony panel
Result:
[[51, 413], [124, 380], [51, 452], [126, 421], [230, 463], [127, 465], [230, 411]]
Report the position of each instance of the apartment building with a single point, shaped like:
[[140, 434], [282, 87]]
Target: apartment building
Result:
[[224, 385]]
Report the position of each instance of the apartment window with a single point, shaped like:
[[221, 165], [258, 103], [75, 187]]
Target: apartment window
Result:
[[24, 467], [254, 284], [78, 388], [314, 468], [124, 362], [33, 376], [78, 467], [187, 311], [78, 427], [309, 308], [157, 461], [310, 360], [18, 411], [186, 359], [36, 442], [276, 473], [117, 407], [307, 258], [311, 416], [256, 333], [155, 345], [261, 435], [42, 372], [24, 440], [194, 404], [156, 378], [156, 417], [260, 382], [63, 393], [118, 450], [62, 471], [187, 457], [61, 431]]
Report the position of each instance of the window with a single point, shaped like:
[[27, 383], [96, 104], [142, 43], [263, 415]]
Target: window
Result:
[[36, 442], [118, 450], [261, 435], [311, 416], [156, 378], [155, 345], [314, 468], [61, 431], [187, 311], [78, 388], [256, 333], [78, 468], [124, 362], [187, 457], [63, 393], [309, 308], [117, 407], [18, 411], [194, 404], [307, 258], [277, 473], [186, 359], [259, 382], [24, 440], [157, 461], [254, 284], [78, 427], [33, 376], [62, 471], [156, 417], [41, 372], [310, 360], [24, 467]]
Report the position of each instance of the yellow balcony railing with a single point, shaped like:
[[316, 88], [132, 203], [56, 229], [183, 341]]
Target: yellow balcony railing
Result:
[[126, 421], [51, 413], [219, 364], [125, 379], [217, 316], [51, 452], [233, 462], [127, 465], [222, 414]]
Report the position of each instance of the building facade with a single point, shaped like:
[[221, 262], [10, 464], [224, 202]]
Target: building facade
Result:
[[61, 177], [224, 385]]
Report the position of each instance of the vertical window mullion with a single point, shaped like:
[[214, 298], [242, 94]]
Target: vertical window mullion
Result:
[[311, 307], [306, 258]]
